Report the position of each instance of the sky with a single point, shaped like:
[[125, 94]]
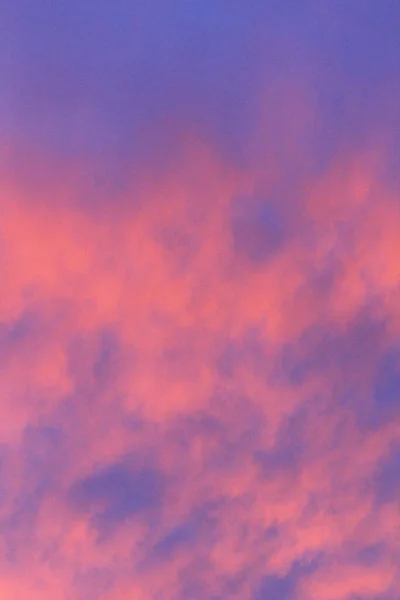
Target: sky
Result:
[[200, 300]]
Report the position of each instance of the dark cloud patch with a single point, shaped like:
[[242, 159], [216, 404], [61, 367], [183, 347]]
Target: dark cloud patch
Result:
[[288, 453], [351, 360], [258, 230], [321, 349], [118, 492], [272, 533], [386, 392], [18, 335], [180, 536], [387, 480], [44, 455], [18, 527], [18, 330], [44, 450], [371, 555], [275, 587], [194, 533]]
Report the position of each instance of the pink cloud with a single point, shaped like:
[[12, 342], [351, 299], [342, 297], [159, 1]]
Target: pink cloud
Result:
[[167, 472]]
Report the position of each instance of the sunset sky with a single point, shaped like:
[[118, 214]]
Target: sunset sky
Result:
[[200, 300]]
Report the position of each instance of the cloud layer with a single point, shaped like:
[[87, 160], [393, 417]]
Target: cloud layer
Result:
[[199, 317]]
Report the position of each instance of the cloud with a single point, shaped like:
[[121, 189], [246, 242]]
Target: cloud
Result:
[[196, 423], [115, 494], [199, 318]]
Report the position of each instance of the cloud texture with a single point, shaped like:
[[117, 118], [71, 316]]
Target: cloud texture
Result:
[[199, 314]]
